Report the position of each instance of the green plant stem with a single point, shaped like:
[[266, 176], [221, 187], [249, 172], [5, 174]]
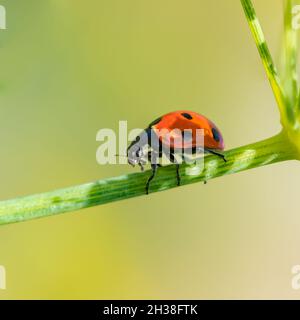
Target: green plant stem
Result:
[[254, 155], [267, 60], [290, 55]]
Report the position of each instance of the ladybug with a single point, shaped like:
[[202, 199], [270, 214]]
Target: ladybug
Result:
[[174, 125]]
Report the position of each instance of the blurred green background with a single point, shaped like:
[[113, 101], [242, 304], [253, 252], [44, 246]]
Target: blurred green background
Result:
[[69, 68]]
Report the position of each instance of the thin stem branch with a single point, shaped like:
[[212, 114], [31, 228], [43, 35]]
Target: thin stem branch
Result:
[[290, 47], [267, 60], [254, 155]]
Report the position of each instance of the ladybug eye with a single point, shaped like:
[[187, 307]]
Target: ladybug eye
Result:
[[187, 116], [216, 134]]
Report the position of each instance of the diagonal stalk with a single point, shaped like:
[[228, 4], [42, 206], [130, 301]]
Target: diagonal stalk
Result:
[[290, 78], [254, 155], [286, 113]]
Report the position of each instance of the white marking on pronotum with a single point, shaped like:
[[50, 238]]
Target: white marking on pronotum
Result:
[[2, 17]]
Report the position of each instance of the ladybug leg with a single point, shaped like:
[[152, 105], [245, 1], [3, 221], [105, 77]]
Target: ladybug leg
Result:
[[216, 153], [153, 158], [150, 157], [154, 169], [178, 174], [173, 160]]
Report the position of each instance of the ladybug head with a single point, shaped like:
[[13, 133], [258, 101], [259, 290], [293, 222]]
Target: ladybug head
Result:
[[136, 154]]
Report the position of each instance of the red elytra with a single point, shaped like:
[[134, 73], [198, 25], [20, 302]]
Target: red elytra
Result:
[[188, 120]]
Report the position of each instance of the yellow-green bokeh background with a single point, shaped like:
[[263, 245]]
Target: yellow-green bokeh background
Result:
[[69, 68]]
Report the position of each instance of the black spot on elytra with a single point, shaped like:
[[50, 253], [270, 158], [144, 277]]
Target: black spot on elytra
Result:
[[153, 123], [187, 116], [216, 134]]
